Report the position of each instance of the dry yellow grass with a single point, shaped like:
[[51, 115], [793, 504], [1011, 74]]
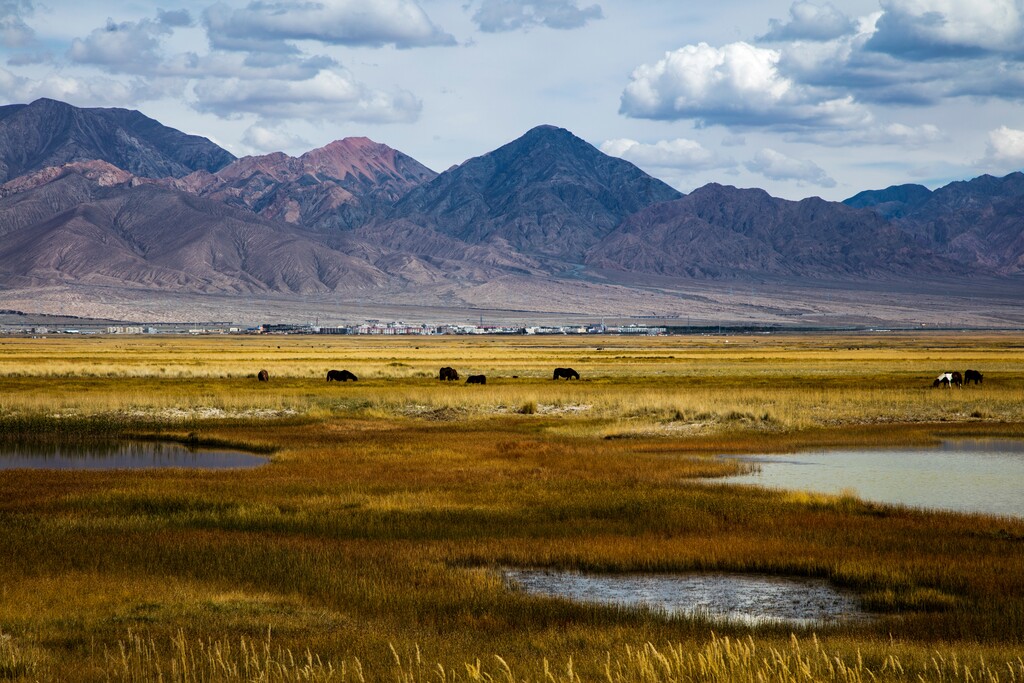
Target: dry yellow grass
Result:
[[389, 502], [671, 385]]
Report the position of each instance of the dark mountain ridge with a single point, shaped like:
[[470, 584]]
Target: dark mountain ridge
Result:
[[548, 194], [101, 196], [892, 202], [48, 133], [722, 231], [978, 222]]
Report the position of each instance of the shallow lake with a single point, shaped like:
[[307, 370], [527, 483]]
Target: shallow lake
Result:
[[117, 455], [965, 475], [745, 598]]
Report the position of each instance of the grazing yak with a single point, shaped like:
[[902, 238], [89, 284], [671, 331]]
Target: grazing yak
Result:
[[447, 373], [263, 376], [566, 373], [972, 376], [476, 379], [340, 376]]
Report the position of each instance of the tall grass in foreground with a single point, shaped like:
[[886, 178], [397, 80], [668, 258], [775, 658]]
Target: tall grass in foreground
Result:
[[719, 660], [142, 659]]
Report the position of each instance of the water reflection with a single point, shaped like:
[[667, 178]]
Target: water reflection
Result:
[[746, 598], [115, 455], [965, 475]]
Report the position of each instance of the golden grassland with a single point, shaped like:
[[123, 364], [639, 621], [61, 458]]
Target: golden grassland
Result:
[[367, 549]]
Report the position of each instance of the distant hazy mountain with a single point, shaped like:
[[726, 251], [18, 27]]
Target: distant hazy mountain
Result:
[[547, 194], [48, 133], [340, 185]]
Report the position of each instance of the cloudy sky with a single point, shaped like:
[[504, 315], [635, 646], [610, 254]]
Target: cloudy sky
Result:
[[801, 98]]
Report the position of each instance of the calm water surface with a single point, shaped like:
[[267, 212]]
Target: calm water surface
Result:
[[117, 455], [965, 475], [745, 598]]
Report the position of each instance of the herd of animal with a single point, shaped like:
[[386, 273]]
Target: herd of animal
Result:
[[955, 379], [446, 374], [449, 374]]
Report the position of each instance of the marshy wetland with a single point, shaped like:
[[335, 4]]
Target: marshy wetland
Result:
[[374, 543]]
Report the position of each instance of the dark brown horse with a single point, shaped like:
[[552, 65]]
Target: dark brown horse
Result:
[[565, 373], [476, 379], [263, 376], [447, 373], [340, 376], [972, 376]]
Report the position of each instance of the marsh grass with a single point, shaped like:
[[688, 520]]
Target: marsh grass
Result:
[[140, 659], [719, 659], [388, 501], [875, 363]]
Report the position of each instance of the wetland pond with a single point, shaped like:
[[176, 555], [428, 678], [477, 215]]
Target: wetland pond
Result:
[[119, 455], [751, 599], [964, 475]]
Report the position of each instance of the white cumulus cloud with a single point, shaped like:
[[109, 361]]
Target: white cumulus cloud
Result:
[[809, 21], [931, 29], [14, 32], [1005, 149], [269, 138], [678, 154], [331, 95], [778, 166], [126, 46], [79, 91], [494, 16], [267, 25], [894, 134], [735, 85]]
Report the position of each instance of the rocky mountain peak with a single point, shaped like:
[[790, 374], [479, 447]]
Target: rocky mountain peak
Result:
[[548, 193], [362, 157], [47, 133]]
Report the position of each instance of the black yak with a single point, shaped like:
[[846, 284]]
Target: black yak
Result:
[[340, 376]]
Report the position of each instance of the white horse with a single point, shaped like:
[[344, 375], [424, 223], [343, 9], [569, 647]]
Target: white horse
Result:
[[948, 379]]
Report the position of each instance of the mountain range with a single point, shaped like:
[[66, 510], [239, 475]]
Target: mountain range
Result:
[[111, 201]]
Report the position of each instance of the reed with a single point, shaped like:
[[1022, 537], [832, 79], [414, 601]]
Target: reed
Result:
[[718, 660]]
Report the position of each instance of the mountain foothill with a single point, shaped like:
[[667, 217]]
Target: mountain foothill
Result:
[[113, 198]]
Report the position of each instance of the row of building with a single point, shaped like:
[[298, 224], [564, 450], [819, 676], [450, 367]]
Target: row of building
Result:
[[400, 328], [372, 327]]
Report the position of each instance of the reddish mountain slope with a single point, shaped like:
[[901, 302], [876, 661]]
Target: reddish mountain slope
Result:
[[74, 230], [337, 186]]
